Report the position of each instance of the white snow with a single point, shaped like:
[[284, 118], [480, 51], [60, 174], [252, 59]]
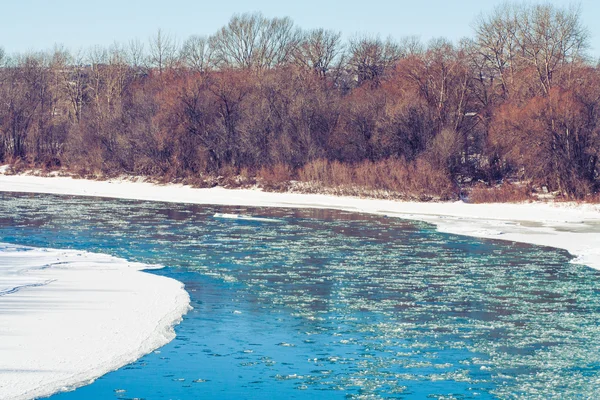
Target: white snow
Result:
[[244, 217], [68, 317]]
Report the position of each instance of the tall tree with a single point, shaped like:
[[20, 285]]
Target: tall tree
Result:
[[163, 51], [320, 50], [196, 53], [254, 42], [371, 58]]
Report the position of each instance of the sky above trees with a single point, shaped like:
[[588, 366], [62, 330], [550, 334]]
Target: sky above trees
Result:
[[40, 24]]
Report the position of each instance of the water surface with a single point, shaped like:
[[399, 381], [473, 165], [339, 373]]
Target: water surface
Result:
[[330, 304]]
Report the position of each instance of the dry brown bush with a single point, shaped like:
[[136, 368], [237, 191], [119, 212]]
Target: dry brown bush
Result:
[[276, 178], [341, 174], [17, 166], [315, 171], [387, 178], [504, 193], [430, 182], [593, 198]]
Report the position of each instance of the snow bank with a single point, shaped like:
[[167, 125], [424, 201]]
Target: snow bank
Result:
[[68, 317], [574, 228]]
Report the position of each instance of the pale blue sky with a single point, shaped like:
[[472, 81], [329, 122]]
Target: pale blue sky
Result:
[[39, 24]]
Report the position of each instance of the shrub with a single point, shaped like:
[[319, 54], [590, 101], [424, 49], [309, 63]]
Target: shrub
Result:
[[504, 193], [276, 178], [387, 178]]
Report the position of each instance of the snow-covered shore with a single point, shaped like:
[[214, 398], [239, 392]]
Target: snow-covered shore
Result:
[[68, 317], [575, 228]]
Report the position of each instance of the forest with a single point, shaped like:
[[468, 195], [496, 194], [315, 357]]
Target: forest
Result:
[[511, 111]]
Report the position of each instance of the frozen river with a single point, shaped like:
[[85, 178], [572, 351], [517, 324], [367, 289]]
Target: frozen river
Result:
[[331, 304]]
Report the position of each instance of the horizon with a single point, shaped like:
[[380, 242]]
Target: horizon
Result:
[[81, 26]]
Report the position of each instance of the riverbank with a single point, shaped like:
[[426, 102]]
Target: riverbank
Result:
[[569, 226], [68, 317]]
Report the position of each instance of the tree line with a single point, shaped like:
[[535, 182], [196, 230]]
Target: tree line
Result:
[[518, 101]]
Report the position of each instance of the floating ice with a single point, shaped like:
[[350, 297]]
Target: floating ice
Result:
[[245, 217]]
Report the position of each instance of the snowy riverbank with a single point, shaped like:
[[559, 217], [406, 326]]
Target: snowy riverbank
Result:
[[575, 228], [68, 317]]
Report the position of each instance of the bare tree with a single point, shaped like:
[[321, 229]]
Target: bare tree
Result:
[[278, 41], [195, 53], [496, 40], [70, 71], [98, 61], [551, 38], [515, 37], [118, 72], [254, 42], [26, 109], [411, 46], [163, 51], [135, 54], [319, 50], [371, 58], [108, 77], [234, 44]]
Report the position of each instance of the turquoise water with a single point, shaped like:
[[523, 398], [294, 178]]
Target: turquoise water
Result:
[[334, 305]]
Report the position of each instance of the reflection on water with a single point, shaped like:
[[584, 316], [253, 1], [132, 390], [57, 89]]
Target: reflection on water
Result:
[[334, 304]]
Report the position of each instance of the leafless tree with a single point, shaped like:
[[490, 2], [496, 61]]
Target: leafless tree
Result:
[[371, 57], [411, 46], [3, 58], [70, 71], [26, 106], [319, 50], [254, 42], [278, 42], [195, 53], [163, 51], [135, 54], [516, 36], [551, 38], [109, 74], [497, 45]]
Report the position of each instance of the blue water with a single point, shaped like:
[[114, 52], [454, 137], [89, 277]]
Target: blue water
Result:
[[336, 305]]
